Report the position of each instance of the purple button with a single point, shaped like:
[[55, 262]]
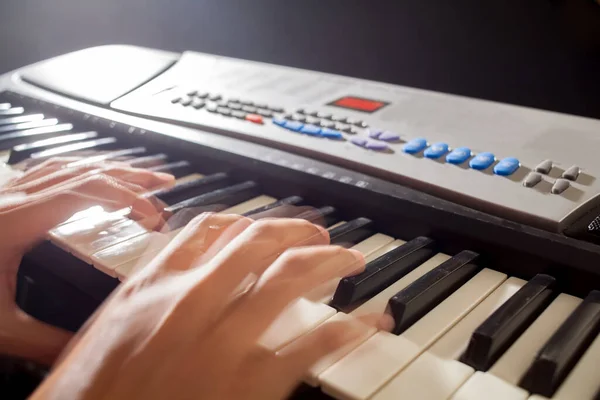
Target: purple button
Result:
[[389, 136], [359, 141], [378, 146], [374, 134]]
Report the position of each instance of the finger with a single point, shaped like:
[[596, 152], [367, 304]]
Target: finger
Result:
[[292, 275], [249, 254], [204, 235], [44, 168], [40, 213]]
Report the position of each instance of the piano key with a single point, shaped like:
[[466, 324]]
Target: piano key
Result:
[[324, 216], [378, 303], [185, 188], [387, 354], [324, 292], [297, 319], [111, 155], [428, 378], [4, 106], [455, 341], [383, 250], [74, 147], [489, 387], [9, 140], [21, 118], [382, 272], [312, 376], [339, 223], [148, 161], [249, 205], [416, 300], [109, 259], [508, 322], [513, 364], [12, 111], [177, 168], [23, 151], [584, 380], [39, 123], [351, 232], [564, 348], [291, 201], [228, 197]]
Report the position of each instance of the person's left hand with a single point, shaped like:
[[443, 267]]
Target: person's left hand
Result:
[[35, 203]]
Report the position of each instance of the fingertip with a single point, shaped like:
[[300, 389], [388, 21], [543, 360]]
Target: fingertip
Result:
[[358, 256], [324, 232], [386, 323]]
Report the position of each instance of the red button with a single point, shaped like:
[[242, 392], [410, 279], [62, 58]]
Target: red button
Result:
[[257, 119]]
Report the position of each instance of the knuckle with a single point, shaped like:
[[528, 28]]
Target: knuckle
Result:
[[267, 228]]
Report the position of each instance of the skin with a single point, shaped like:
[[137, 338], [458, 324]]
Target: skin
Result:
[[188, 324]]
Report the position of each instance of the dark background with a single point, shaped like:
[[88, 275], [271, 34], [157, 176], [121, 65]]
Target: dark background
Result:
[[538, 53]]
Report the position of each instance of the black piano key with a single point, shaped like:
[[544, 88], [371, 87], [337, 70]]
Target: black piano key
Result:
[[382, 272], [293, 200], [23, 151], [508, 322], [71, 148], [225, 197], [597, 396], [29, 135], [177, 168], [352, 232], [111, 155], [417, 299], [21, 118], [324, 216], [148, 161], [189, 189], [28, 125], [562, 351], [12, 111]]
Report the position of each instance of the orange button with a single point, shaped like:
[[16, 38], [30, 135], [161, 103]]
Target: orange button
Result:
[[257, 119]]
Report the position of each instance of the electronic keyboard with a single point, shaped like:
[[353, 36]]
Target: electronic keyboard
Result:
[[479, 221]]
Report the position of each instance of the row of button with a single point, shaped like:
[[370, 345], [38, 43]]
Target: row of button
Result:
[[480, 162], [308, 129], [198, 100], [226, 112], [189, 101], [546, 166], [323, 123], [559, 186], [333, 118]]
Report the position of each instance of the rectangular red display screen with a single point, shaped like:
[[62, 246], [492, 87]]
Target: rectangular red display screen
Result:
[[359, 104]]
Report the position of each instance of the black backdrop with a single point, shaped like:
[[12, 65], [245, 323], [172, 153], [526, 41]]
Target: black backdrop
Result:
[[538, 53]]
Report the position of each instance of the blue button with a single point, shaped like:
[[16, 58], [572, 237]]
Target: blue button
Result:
[[311, 130], [507, 166], [331, 133], [279, 121], [436, 150], [389, 136], [415, 146], [459, 155], [293, 125], [482, 161]]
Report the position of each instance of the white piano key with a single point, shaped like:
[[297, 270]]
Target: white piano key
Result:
[[249, 205], [378, 303], [323, 293], [385, 249], [456, 340], [513, 364], [537, 397], [297, 319], [584, 380], [312, 377], [489, 387], [336, 225], [387, 354], [427, 378], [109, 259]]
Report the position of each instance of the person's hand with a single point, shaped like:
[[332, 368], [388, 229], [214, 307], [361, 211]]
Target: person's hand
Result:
[[187, 326], [35, 203]]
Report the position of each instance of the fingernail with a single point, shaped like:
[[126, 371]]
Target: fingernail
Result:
[[324, 232], [360, 259]]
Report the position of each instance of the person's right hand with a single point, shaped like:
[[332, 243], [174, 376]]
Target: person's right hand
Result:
[[187, 326]]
